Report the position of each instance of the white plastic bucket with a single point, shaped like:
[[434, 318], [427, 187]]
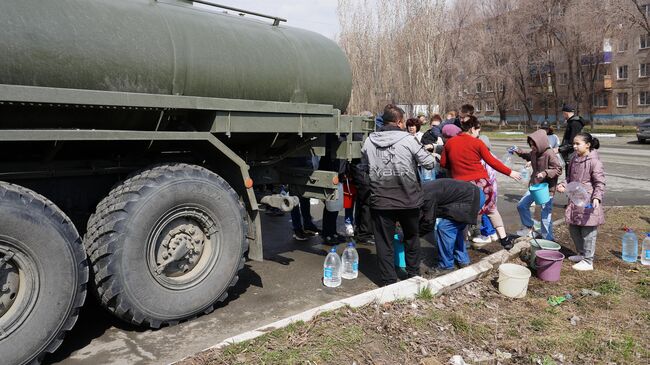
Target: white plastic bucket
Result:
[[513, 280]]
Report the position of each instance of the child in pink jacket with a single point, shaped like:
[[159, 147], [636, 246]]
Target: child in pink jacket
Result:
[[585, 167]]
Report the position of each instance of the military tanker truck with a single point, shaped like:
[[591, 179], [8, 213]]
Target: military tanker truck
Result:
[[132, 134]]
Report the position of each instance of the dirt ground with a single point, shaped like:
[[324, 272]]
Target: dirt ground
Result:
[[608, 323]]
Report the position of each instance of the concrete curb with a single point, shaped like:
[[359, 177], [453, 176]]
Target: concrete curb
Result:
[[406, 289]]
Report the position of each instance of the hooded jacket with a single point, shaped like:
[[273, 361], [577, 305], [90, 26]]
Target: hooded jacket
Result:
[[543, 159], [588, 170], [391, 157], [574, 126]]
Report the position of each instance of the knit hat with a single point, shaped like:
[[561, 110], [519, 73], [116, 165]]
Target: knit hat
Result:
[[485, 140], [568, 108], [450, 130]]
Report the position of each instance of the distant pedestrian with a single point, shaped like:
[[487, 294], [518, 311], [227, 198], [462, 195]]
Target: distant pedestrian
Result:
[[574, 125], [553, 140], [392, 156], [413, 127], [450, 118], [585, 168], [434, 134]]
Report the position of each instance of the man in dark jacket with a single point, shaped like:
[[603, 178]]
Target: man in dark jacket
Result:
[[392, 156], [574, 125], [457, 204], [431, 136]]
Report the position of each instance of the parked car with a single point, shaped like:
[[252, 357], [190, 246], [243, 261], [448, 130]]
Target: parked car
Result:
[[643, 131]]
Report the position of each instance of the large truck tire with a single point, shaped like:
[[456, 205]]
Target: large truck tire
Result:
[[43, 275], [166, 244]]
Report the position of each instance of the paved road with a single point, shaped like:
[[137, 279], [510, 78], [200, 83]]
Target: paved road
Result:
[[288, 281]]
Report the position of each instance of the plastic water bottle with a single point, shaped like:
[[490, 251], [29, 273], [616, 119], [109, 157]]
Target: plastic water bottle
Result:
[[350, 259], [578, 194], [426, 174], [630, 246], [525, 175], [645, 250], [507, 158], [332, 269]]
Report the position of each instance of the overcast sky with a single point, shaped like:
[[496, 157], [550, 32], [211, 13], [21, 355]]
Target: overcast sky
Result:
[[315, 15]]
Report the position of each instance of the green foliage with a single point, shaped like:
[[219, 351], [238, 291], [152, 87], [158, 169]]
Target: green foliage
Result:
[[608, 286], [424, 293]]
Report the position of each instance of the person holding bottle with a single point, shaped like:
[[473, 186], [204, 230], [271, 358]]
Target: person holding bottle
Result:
[[546, 169], [585, 167], [462, 156]]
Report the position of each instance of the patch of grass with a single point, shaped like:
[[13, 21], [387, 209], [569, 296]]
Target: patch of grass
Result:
[[538, 324], [424, 294], [459, 323], [643, 288], [608, 286], [547, 360], [624, 348], [587, 339]]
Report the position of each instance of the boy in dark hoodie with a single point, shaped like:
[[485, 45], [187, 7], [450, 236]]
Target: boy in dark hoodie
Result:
[[546, 168]]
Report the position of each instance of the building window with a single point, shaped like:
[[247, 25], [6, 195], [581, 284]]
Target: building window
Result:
[[478, 107], [644, 69], [517, 105], [622, 72], [601, 101], [479, 87], [563, 78], [488, 87], [644, 97], [644, 41], [622, 45], [646, 10], [621, 99], [489, 106]]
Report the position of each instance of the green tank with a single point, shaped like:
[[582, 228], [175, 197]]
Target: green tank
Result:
[[167, 47]]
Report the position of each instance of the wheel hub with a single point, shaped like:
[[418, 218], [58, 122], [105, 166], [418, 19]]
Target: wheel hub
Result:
[[9, 282], [180, 250]]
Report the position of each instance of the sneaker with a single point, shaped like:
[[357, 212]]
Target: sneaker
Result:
[[576, 258], [300, 235], [439, 271], [462, 265], [507, 242], [583, 266], [524, 232], [312, 230], [334, 240], [349, 230], [494, 237], [482, 239]]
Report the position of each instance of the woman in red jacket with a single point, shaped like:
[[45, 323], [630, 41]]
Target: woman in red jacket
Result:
[[462, 157]]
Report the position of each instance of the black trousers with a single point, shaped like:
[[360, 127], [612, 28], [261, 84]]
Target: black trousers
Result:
[[384, 228], [362, 217]]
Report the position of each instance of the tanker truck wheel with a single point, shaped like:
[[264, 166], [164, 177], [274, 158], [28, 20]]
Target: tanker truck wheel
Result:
[[43, 275], [166, 244]]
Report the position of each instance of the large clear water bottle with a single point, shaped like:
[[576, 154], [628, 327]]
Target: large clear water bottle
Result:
[[507, 158], [645, 250], [350, 259], [630, 246], [426, 174], [525, 175], [578, 194], [332, 269]]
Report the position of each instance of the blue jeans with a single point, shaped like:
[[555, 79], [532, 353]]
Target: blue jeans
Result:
[[526, 219], [487, 229], [451, 243]]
